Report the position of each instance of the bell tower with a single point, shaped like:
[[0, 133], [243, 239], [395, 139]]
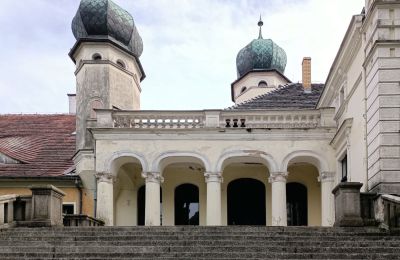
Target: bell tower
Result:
[[108, 70]]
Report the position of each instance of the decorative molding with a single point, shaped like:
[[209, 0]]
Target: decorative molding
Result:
[[326, 177], [213, 177], [342, 134], [153, 177], [278, 177], [105, 177]]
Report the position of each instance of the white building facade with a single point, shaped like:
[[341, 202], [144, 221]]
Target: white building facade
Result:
[[272, 159]]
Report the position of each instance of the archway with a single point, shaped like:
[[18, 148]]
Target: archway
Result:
[[141, 205], [187, 210], [246, 202], [296, 203]]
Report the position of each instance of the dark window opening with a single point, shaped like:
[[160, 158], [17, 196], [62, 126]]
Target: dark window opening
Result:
[[246, 202], [243, 89], [96, 56], [187, 208], [344, 169], [5, 212], [68, 209], [296, 204]]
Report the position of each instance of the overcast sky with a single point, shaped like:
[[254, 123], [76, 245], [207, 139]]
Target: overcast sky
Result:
[[190, 47]]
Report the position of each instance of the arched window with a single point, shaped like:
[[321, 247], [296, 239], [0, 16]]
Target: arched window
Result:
[[121, 63], [262, 84], [296, 203], [95, 104], [187, 208], [96, 56], [243, 90]]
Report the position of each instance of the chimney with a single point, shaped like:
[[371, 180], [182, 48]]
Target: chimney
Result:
[[72, 103], [306, 65]]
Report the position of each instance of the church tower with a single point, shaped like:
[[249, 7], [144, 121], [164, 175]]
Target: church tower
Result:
[[108, 70], [260, 66]]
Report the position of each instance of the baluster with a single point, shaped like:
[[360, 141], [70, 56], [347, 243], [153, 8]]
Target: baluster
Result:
[[228, 122]]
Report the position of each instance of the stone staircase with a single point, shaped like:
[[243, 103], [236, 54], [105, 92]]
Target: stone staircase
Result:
[[238, 242]]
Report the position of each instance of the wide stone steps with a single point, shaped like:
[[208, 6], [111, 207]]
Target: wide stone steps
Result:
[[198, 243]]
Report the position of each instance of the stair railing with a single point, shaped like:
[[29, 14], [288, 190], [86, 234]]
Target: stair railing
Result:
[[388, 211]]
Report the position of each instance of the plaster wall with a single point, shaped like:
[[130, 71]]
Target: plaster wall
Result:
[[251, 82]]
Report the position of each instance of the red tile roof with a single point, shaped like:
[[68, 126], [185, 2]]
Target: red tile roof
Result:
[[43, 144]]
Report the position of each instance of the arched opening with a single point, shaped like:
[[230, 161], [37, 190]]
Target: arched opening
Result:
[[95, 104], [141, 205], [187, 210], [243, 89], [96, 56], [262, 84], [121, 64], [246, 202], [296, 203]]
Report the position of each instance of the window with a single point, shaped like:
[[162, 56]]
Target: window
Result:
[[96, 56], [243, 90], [68, 208], [344, 169], [262, 84], [341, 96], [121, 63]]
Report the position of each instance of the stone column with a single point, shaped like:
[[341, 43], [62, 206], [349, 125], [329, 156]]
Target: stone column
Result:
[[327, 180], [46, 205], [279, 211], [152, 210], [105, 197], [213, 216], [347, 204]]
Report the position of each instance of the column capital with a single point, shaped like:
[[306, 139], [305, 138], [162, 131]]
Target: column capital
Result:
[[213, 177], [278, 177], [105, 177], [326, 177], [153, 177]]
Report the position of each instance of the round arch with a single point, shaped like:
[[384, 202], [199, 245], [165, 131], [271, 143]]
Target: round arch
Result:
[[246, 156], [117, 159], [170, 157], [308, 157]]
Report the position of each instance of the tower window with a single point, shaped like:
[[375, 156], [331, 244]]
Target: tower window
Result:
[[344, 169], [93, 105], [96, 56], [121, 63], [262, 84]]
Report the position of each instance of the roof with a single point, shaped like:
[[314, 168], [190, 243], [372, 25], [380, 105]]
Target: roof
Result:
[[40, 145], [290, 96]]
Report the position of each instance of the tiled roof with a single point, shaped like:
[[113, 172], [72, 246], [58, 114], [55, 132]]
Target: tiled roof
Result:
[[290, 96], [42, 144]]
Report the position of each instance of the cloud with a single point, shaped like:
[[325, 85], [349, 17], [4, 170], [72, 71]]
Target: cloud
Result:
[[189, 54]]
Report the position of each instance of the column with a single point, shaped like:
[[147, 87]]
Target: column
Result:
[[105, 197], [279, 212], [152, 210], [213, 216], [327, 180]]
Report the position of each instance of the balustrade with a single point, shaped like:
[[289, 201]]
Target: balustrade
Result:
[[220, 119]]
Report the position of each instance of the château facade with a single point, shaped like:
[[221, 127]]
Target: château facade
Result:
[[273, 158]]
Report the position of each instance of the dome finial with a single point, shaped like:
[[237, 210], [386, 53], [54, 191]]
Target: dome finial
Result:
[[260, 24]]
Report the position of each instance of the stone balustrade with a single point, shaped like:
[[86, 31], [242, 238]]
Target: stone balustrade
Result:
[[263, 119]]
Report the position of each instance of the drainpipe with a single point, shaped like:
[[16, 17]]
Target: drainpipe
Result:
[[95, 198]]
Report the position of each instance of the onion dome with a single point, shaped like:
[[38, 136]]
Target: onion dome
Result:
[[260, 54], [105, 19]]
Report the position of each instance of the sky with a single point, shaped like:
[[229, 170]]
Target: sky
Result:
[[190, 47]]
